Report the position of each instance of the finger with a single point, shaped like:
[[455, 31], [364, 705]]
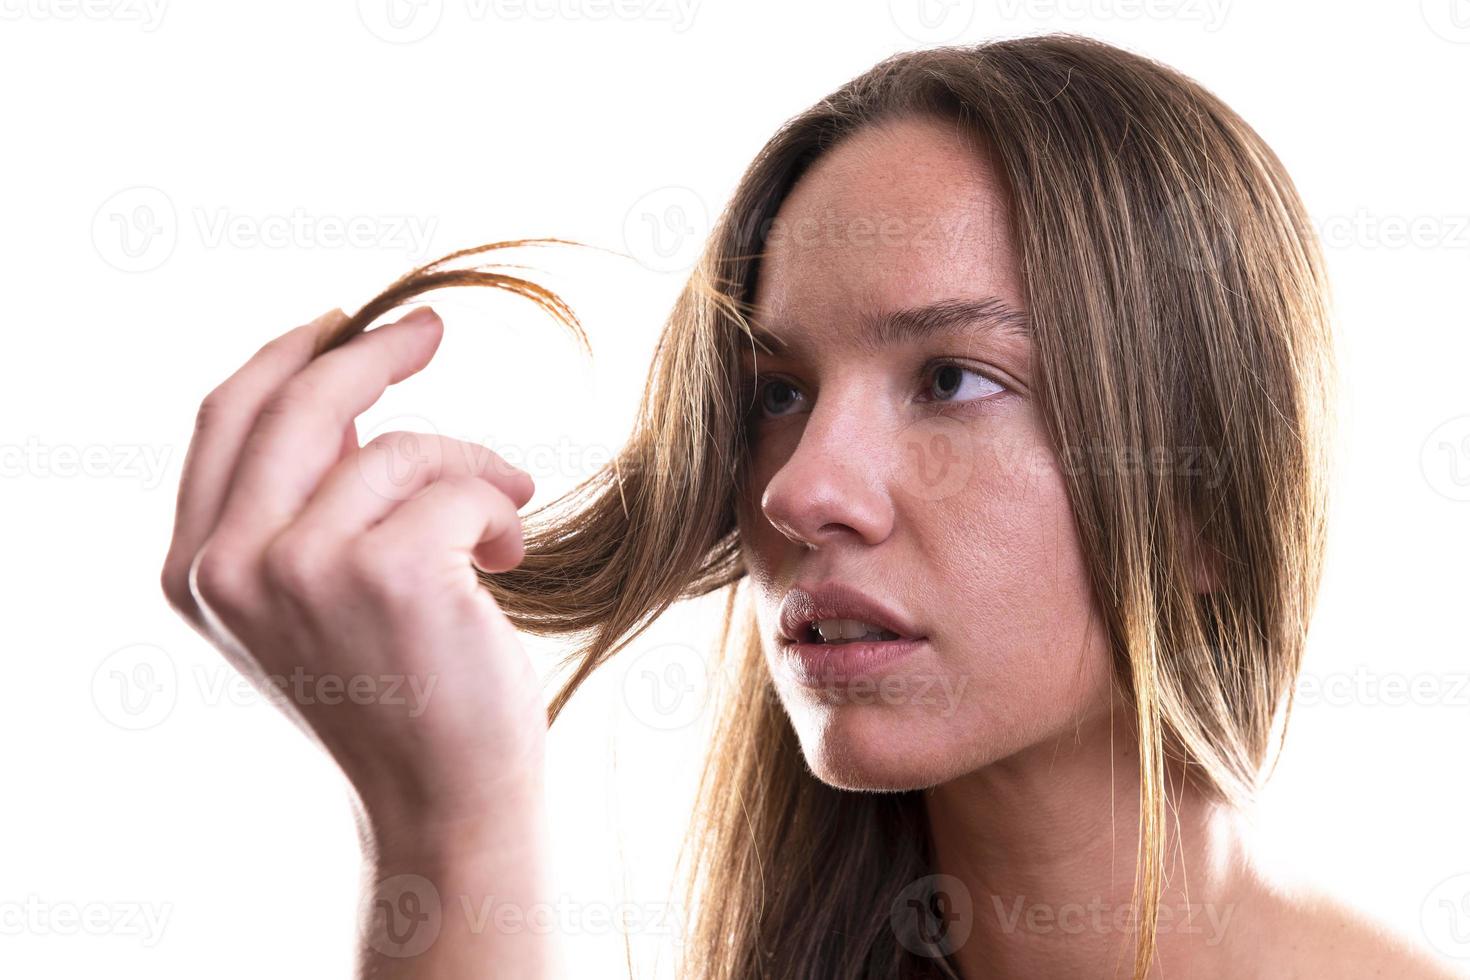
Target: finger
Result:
[[300, 431], [221, 427], [349, 439], [367, 486], [459, 517]]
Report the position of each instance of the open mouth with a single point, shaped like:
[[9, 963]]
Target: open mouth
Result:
[[834, 633], [839, 631]]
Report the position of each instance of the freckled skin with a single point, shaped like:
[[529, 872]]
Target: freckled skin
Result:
[[902, 214]]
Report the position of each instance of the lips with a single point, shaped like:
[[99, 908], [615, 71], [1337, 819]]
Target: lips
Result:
[[804, 606]]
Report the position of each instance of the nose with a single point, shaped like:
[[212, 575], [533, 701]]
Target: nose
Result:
[[833, 485]]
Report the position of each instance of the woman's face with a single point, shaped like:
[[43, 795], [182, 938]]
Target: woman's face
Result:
[[911, 465]]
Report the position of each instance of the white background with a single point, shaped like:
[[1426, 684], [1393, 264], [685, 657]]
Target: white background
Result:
[[176, 181]]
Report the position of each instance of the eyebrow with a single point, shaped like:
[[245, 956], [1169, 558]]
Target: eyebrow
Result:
[[988, 313]]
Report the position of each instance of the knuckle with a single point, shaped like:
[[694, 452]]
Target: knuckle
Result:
[[418, 451], [293, 563], [290, 398], [271, 346], [382, 573], [409, 460], [395, 439], [174, 583], [444, 454], [217, 577], [213, 406], [406, 442]]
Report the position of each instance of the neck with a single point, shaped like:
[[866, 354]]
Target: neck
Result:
[[1045, 844]]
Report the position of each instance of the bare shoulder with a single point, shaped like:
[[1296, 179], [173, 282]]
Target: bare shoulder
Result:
[[1309, 933]]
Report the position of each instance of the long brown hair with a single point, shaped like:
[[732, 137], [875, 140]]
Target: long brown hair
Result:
[[1179, 312]]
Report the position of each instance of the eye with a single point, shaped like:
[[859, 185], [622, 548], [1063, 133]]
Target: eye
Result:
[[772, 397], [952, 382], [947, 381]]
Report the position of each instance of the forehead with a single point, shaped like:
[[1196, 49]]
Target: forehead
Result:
[[899, 214]]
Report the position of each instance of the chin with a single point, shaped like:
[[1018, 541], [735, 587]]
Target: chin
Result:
[[874, 747]]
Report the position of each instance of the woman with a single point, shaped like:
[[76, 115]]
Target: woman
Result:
[[999, 402]]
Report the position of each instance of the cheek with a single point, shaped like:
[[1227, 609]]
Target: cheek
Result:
[[1007, 554], [1012, 555], [761, 545], [755, 536]]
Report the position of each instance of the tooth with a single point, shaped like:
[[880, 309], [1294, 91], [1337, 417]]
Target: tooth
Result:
[[845, 630]]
